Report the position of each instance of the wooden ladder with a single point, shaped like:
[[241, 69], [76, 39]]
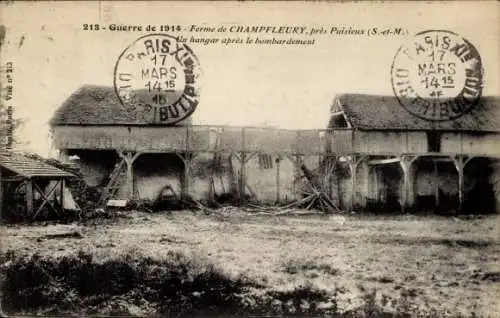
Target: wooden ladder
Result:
[[113, 184]]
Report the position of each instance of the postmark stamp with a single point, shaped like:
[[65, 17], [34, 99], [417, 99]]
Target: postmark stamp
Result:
[[159, 77], [437, 76]]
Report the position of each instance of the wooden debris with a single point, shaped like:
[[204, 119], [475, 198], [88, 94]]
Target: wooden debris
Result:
[[74, 234], [314, 197]]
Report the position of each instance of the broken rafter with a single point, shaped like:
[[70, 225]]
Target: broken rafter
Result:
[[314, 196]]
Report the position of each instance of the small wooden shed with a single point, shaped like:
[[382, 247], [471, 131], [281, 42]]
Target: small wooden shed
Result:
[[27, 185]]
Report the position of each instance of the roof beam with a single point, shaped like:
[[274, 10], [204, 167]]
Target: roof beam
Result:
[[337, 113], [383, 161]]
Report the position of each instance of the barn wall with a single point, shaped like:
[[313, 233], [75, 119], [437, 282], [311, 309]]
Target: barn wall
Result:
[[390, 142], [204, 168], [261, 174], [200, 138], [339, 141], [134, 138], [471, 143]]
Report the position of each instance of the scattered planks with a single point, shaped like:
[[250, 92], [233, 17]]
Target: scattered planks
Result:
[[314, 198]]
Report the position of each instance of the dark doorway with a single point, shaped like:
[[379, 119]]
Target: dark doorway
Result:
[[385, 192], [479, 184], [433, 141], [436, 185]]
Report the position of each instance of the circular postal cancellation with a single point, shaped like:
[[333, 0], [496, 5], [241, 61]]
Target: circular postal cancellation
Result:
[[437, 76], [159, 78]]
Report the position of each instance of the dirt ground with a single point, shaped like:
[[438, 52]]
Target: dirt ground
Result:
[[450, 265]]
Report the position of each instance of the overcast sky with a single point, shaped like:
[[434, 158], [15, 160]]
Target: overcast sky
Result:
[[283, 86]]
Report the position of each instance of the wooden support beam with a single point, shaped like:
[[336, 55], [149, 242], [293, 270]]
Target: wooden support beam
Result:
[[29, 197], [186, 177], [354, 161], [278, 159], [130, 179], [460, 189], [353, 169], [241, 185], [14, 179], [338, 113], [383, 161], [46, 198], [61, 198], [460, 162], [244, 157], [1, 196], [366, 181], [407, 190], [129, 157], [447, 159]]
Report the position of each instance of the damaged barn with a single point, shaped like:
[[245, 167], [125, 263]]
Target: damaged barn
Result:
[[121, 153], [373, 156], [391, 160]]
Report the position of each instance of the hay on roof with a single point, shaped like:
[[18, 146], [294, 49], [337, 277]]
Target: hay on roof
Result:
[[377, 112]]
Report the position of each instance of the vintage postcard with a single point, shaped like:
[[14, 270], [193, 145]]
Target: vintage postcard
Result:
[[184, 159]]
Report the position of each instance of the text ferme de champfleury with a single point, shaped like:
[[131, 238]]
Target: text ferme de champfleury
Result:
[[253, 29]]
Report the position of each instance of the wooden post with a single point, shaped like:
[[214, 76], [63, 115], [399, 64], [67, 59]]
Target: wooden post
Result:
[[130, 179], [129, 158], [460, 188], [29, 197], [186, 176], [1, 197], [278, 179], [241, 190], [353, 167], [62, 196], [298, 161], [366, 181], [459, 164], [407, 180], [411, 183]]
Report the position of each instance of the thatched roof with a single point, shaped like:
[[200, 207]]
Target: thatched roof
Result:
[[96, 105], [376, 112]]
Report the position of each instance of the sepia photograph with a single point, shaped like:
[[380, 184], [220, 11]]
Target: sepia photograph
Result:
[[261, 159]]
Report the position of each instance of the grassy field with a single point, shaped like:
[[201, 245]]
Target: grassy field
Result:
[[292, 264]]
